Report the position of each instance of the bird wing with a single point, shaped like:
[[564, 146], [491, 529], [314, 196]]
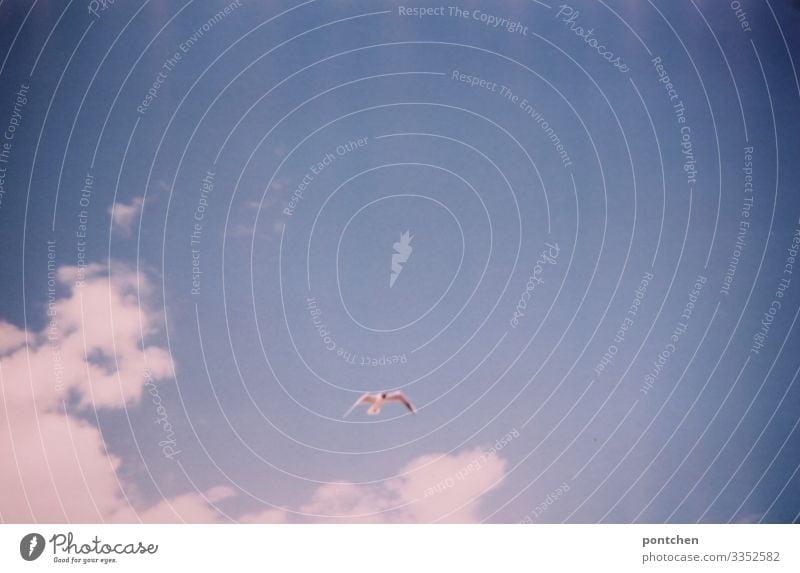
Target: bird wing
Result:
[[365, 398], [400, 397]]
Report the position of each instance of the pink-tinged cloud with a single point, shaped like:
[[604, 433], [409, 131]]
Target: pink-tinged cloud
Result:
[[266, 516], [432, 488], [95, 353], [193, 507], [11, 338], [93, 345], [55, 467], [95, 348]]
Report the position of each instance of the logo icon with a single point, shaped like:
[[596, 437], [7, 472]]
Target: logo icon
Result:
[[402, 252], [31, 546]]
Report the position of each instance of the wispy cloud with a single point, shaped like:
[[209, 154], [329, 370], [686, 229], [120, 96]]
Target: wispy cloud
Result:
[[125, 215]]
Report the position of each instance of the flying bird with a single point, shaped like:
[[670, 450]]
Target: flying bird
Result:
[[379, 399]]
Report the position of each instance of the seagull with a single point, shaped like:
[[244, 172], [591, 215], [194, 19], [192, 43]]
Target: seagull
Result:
[[379, 399]]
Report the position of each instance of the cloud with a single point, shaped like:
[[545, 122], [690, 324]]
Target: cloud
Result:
[[266, 516], [192, 507], [56, 468], [750, 518], [93, 353], [96, 352], [125, 215], [94, 346], [11, 338], [443, 488]]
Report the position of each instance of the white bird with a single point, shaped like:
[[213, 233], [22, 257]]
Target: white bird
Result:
[[379, 399]]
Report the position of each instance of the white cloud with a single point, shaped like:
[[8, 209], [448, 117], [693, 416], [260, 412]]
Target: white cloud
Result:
[[55, 466], [125, 215], [432, 488], [266, 516], [193, 507], [11, 338], [94, 353]]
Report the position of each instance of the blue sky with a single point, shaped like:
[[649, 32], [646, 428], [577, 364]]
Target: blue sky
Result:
[[298, 141]]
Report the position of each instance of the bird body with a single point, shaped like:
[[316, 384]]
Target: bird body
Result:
[[379, 399]]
